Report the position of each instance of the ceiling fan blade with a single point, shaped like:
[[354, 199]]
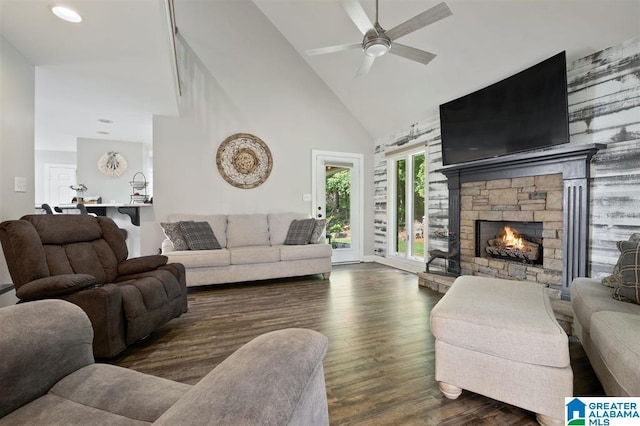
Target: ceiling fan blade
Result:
[[436, 13], [366, 65], [358, 16], [412, 53], [332, 49]]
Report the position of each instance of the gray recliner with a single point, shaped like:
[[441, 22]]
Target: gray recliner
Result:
[[84, 260], [48, 373]]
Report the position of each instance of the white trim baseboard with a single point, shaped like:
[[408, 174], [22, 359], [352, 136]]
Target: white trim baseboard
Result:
[[403, 264]]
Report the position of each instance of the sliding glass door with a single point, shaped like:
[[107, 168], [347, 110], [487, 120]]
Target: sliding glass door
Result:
[[407, 206]]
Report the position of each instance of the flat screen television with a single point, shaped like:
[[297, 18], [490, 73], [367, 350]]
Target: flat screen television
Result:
[[523, 112]]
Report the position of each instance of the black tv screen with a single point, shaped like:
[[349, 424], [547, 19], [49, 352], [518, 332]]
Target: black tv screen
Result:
[[523, 112]]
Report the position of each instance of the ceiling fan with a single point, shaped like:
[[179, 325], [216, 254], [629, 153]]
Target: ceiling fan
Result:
[[377, 41]]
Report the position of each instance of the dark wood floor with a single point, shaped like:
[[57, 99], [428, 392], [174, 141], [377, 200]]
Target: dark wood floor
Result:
[[379, 368]]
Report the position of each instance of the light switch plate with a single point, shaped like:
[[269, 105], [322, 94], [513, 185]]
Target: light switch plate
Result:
[[20, 184], [306, 197]]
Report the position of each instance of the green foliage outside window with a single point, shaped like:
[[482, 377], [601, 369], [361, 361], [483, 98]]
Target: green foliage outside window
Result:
[[338, 189]]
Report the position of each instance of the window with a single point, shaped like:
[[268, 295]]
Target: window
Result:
[[407, 205]]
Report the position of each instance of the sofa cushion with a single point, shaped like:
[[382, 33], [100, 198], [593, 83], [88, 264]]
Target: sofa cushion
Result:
[[140, 396], [300, 231], [199, 236], [51, 409], [136, 265], [90, 257], [173, 231], [54, 286], [302, 252], [318, 231], [254, 254], [629, 264], [218, 223], [279, 226], [148, 291], [58, 230], [201, 258], [589, 296], [247, 230], [616, 336], [42, 342], [615, 279]]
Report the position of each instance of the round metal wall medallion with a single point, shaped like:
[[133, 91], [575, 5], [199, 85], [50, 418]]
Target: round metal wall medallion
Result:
[[244, 160]]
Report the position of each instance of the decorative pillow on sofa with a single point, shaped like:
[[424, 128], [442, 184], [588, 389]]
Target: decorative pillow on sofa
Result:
[[173, 232], [615, 279], [318, 231], [300, 231], [629, 262], [199, 236]]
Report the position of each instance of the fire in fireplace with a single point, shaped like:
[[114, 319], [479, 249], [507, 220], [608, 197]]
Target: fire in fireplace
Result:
[[514, 241]]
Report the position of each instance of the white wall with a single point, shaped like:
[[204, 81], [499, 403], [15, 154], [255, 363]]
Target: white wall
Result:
[[43, 158], [16, 136], [262, 88], [110, 188]]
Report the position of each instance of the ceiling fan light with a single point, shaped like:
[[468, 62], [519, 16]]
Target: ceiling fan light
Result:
[[66, 14], [377, 49]]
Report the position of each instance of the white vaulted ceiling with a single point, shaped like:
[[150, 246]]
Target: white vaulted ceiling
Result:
[[116, 63]]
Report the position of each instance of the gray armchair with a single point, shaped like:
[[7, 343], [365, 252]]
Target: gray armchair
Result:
[[49, 376]]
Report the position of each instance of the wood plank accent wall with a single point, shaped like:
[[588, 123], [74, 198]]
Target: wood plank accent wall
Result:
[[604, 107]]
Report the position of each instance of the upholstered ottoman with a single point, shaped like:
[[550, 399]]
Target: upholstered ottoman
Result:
[[500, 338]]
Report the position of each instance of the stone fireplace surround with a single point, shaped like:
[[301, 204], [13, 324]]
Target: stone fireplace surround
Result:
[[520, 199], [561, 170]]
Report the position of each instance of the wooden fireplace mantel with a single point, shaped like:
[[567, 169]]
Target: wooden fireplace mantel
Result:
[[572, 160]]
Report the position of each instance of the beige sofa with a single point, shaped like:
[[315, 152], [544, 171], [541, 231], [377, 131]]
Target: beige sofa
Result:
[[252, 249], [609, 331]]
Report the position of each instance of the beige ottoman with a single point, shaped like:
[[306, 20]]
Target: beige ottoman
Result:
[[500, 338]]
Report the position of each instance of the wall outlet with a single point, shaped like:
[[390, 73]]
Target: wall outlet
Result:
[[20, 184]]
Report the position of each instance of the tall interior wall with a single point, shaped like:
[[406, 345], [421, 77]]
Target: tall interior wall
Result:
[[280, 100], [17, 94]]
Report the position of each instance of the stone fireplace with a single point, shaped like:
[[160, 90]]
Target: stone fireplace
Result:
[[547, 187], [533, 207]]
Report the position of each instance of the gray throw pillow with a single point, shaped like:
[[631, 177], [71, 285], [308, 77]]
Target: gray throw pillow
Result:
[[318, 231], [173, 232], [199, 236], [300, 231], [629, 263], [615, 279]]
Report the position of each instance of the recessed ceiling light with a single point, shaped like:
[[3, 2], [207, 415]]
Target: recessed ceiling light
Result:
[[103, 132], [105, 120], [67, 14]]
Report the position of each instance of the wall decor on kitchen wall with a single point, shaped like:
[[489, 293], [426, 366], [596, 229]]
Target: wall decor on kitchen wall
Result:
[[112, 164]]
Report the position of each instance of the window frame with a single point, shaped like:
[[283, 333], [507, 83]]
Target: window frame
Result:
[[392, 219]]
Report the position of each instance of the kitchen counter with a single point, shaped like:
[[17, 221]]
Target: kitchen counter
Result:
[[132, 210]]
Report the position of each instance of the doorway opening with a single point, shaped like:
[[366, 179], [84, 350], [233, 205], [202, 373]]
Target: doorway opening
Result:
[[338, 198]]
